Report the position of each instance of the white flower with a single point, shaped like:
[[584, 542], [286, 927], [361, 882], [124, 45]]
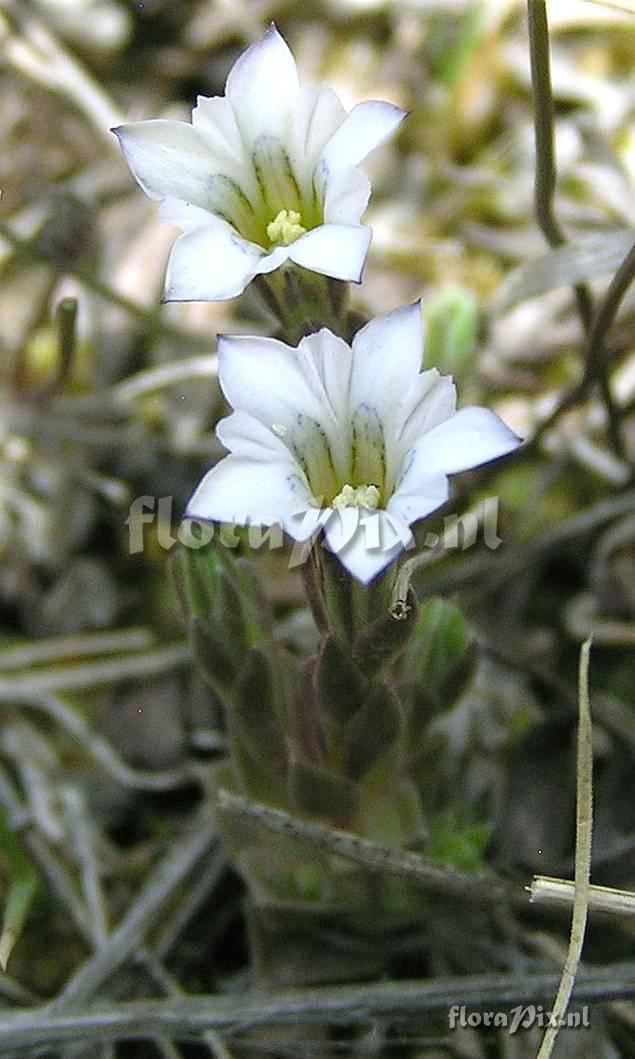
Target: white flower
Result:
[[264, 174], [357, 440]]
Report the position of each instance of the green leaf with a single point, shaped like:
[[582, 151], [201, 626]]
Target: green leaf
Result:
[[221, 590], [24, 881], [339, 683], [373, 732], [212, 658], [460, 844], [252, 716], [316, 792], [259, 783], [396, 819]]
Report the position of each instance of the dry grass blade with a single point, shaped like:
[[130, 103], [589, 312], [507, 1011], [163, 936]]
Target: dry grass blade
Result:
[[584, 834]]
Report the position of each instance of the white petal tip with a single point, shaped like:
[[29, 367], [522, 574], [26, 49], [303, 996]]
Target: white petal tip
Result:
[[336, 250]]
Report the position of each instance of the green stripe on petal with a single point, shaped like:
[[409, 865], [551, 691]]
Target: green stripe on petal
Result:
[[369, 448], [227, 200], [309, 443], [277, 181]]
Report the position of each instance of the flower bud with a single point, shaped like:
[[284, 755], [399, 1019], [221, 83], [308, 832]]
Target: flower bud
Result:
[[223, 611], [451, 317], [381, 642], [438, 664]]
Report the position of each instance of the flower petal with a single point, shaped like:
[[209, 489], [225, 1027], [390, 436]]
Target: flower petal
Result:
[[293, 393], [245, 436], [387, 355], [214, 117], [280, 189], [210, 264], [366, 542], [270, 262], [168, 158], [244, 492], [337, 250], [315, 116], [272, 381], [226, 203], [471, 437], [419, 494], [262, 86], [364, 128], [430, 400], [184, 215], [331, 359], [346, 197]]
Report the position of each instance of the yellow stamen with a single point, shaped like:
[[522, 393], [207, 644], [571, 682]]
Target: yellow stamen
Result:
[[285, 228], [366, 496]]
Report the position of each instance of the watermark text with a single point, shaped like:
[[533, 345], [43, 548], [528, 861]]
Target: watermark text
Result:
[[459, 532], [522, 1017]]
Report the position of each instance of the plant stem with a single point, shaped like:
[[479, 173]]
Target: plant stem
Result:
[[545, 181], [360, 1005]]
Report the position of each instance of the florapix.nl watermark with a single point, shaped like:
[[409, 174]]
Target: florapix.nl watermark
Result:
[[522, 1017], [459, 532]]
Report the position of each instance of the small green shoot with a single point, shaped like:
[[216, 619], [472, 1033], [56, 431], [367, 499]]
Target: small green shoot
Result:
[[22, 887]]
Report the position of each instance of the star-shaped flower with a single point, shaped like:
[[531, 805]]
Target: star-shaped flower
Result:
[[265, 174], [357, 440]]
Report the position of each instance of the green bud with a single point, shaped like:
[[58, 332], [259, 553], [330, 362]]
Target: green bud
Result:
[[230, 612], [340, 604], [438, 664], [196, 577], [451, 318], [303, 301], [382, 640], [223, 608], [212, 580], [334, 588]]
